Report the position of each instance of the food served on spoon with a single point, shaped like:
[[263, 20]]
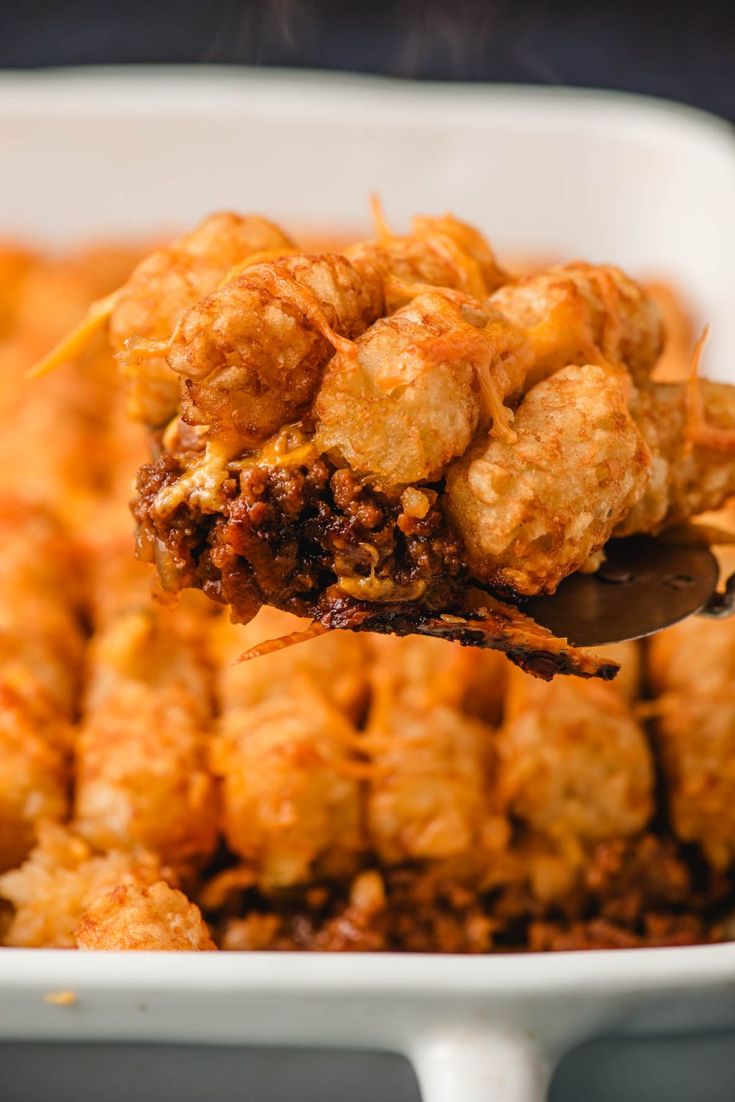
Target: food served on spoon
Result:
[[401, 437]]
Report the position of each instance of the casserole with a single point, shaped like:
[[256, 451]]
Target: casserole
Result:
[[590, 174]]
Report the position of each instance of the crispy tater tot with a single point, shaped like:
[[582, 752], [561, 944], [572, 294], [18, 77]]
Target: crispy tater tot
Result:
[[688, 478], [575, 765], [431, 792], [693, 666], [136, 916], [425, 672], [57, 883], [577, 313], [430, 795], [40, 596], [467, 238], [40, 666], [439, 251], [290, 801], [33, 777], [165, 285], [410, 395], [335, 663], [531, 512], [141, 755], [252, 352]]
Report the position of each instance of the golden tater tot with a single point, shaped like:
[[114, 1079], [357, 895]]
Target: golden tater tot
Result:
[[334, 664], [425, 672], [139, 917], [431, 792], [290, 802], [688, 478], [141, 753], [576, 313], [693, 666], [439, 252], [532, 511], [430, 796], [52, 889], [574, 765], [40, 665], [251, 353], [165, 285], [33, 778], [410, 395], [40, 596], [467, 239]]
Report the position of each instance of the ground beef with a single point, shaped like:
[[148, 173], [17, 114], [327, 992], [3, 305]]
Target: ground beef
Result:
[[315, 540], [425, 909], [287, 534]]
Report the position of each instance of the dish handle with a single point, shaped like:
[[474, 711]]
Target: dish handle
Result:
[[481, 1063]]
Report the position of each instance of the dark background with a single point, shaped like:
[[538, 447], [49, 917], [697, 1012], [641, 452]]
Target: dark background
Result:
[[683, 50]]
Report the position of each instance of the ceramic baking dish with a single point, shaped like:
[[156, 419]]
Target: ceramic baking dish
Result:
[[544, 172]]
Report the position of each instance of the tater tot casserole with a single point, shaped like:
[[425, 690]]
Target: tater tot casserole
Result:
[[315, 441]]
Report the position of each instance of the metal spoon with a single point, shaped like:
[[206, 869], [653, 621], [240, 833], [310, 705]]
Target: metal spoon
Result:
[[643, 586]]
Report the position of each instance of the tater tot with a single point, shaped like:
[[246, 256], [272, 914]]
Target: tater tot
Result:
[[577, 312], [436, 230], [335, 664], [430, 796], [411, 396], [40, 665], [40, 590], [425, 672], [165, 285], [687, 479], [693, 666], [532, 511], [431, 792], [61, 877], [290, 803], [141, 755], [439, 252], [252, 352], [33, 778], [136, 916], [575, 765]]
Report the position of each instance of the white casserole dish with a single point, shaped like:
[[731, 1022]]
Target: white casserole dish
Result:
[[544, 172]]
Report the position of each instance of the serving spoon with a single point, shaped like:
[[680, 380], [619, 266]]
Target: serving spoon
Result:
[[643, 586]]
